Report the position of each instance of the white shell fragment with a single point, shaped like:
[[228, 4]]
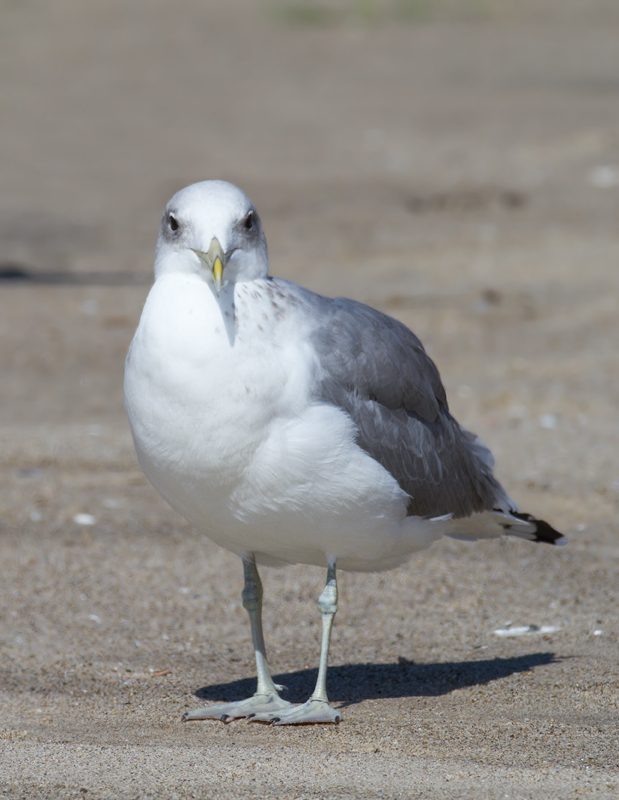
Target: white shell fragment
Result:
[[84, 519], [524, 630]]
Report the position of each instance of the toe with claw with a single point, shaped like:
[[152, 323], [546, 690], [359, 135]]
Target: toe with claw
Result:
[[312, 712]]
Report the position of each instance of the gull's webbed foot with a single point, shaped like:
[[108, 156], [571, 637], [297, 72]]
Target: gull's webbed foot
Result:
[[311, 712], [258, 704]]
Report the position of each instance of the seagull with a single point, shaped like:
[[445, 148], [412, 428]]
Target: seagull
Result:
[[294, 428]]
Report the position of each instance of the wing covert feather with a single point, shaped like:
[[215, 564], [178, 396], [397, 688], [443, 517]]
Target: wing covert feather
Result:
[[376, 369]]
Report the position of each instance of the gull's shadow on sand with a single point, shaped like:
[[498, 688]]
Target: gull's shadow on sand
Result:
[[352, 683]]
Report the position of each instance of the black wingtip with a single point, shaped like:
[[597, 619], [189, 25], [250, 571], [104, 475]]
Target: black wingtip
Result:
[[542, 532]]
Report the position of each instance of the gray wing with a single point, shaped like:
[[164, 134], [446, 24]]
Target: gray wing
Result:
[[376, 369]]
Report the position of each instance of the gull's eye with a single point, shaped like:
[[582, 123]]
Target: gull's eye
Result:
[[248, 222], [173, 222]]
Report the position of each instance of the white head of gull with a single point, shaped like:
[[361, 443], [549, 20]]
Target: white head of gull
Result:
[[294, 428]]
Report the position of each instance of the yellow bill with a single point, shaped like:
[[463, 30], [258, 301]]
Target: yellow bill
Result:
[[218, 271], [214, 260]]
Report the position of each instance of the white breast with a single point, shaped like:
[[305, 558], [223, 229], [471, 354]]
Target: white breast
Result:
[[196, 403]]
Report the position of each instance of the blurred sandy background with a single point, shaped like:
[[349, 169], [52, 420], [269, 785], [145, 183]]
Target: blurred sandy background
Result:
[[454, 163]]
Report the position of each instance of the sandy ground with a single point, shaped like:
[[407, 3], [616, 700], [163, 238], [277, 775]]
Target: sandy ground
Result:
[[453, 164]]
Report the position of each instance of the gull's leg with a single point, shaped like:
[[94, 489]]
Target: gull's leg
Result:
[[317, 708], [266, 699]]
